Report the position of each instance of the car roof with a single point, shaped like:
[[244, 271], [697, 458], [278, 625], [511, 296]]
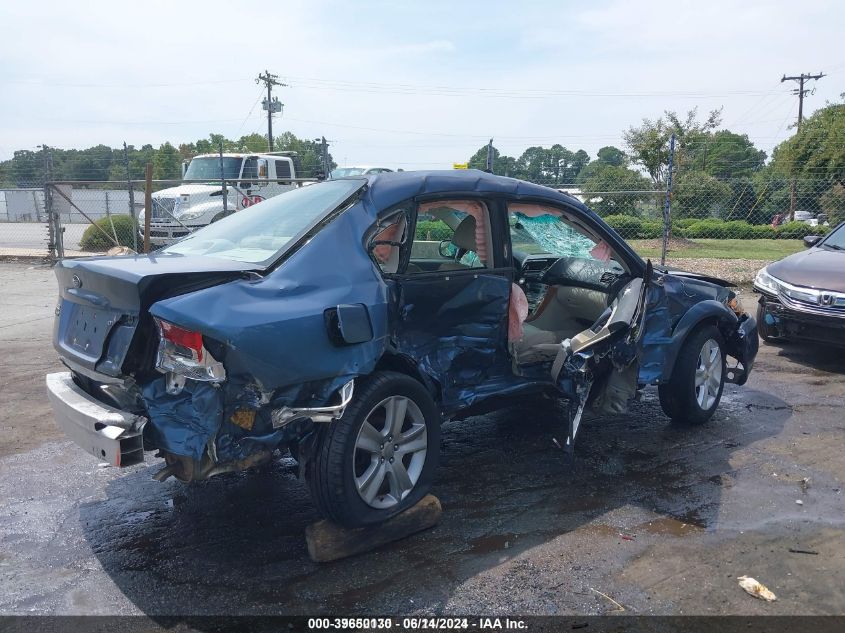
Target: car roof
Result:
[[388, 189]]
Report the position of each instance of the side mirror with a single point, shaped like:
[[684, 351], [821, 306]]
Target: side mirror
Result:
[[447, 249], [812, 240]]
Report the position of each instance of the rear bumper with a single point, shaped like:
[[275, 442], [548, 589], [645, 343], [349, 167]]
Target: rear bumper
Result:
[[107, 433], [782, 321]]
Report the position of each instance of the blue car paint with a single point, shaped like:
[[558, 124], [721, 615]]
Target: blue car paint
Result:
[[676, 305], [270, 331], [183, 423]]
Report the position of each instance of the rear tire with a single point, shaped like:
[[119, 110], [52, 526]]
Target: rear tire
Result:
[[695, 388], [380, 457]]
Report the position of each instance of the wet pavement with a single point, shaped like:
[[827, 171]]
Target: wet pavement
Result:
[[661, 519]]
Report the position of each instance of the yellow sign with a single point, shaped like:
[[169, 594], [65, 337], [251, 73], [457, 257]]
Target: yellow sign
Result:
[[460, 165]]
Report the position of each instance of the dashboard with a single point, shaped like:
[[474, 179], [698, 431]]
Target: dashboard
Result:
[[535, 273]]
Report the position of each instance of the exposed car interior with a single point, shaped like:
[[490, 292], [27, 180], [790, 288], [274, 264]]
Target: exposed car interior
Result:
[[469, 237], [567, 281]]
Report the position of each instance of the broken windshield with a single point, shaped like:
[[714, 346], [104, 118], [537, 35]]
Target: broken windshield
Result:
[[259, 233], [548, 234]]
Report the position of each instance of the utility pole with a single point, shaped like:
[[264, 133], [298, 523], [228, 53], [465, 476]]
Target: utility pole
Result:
[[490, 157], [131, 198], [801, 92], [324, 157], [270, 104], [667, 203]]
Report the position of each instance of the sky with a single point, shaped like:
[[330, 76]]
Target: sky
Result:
[[412, 85]]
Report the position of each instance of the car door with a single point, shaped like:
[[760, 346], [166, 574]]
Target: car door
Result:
[[450, 306], [598, 364]]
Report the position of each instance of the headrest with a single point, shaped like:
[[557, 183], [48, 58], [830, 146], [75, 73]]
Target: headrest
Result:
[[464, 236]]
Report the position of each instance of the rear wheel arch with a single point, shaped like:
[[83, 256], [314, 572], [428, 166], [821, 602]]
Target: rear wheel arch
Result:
[[332, 470], [403, 364]]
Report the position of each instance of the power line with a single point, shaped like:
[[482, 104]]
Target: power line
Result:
[[270, 104], [801, 91]]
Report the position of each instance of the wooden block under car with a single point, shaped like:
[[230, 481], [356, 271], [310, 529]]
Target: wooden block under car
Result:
[[328, 541]]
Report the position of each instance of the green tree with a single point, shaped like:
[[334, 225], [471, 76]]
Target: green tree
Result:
[[502, 165], [817, 150], [610, 155], [167, 163], [27, 168], [649, 143], [606, 156], [833, 204], [724, 154], [604, 180], [696, 194]]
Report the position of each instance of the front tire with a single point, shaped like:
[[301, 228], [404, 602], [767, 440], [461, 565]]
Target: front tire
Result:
[[380, 457], [695, 388]]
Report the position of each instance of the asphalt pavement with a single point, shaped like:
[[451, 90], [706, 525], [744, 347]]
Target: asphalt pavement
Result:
[[657, 518]]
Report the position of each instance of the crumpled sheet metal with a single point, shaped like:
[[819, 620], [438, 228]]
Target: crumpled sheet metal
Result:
[[182, 424], [667, 302], [274, 329], [458, 339], [274, 343]]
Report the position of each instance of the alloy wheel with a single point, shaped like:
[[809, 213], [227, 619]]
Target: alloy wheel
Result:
[[390, 452], [708, 374]]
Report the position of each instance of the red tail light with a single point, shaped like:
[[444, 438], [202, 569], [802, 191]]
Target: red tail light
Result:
[[182, 337]]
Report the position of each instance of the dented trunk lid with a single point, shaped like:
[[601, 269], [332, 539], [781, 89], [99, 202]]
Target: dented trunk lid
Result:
[[104, 300]]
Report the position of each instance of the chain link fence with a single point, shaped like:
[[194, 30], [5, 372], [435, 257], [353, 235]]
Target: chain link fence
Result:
[[97, 217], [24, 222], [728, 228]]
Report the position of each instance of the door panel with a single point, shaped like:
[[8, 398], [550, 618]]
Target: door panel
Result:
[[454, 325]]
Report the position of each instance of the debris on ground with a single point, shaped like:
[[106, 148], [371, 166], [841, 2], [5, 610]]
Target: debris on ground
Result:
[[604, 595], [757, 589], [803, 551], [799, 502], [805, 484]]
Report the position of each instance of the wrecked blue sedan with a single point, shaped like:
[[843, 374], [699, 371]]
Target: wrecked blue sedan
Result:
[[344, 321]]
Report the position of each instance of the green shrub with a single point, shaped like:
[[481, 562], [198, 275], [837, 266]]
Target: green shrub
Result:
[[762, 232], [683, 223], [434, 230], [626, 225], [650, 230], [798, 230], [94, 239], [708, 228], [739, 230]]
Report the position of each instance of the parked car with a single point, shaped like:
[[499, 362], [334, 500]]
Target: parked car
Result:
[[318, 322], [803, 296], [363, 170]]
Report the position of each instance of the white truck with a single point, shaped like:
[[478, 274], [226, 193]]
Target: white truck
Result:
[[197, 202]]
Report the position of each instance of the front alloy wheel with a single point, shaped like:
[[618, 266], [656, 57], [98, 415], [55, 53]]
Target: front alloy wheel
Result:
[[708, 374], [380, 457], [693, 392]]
